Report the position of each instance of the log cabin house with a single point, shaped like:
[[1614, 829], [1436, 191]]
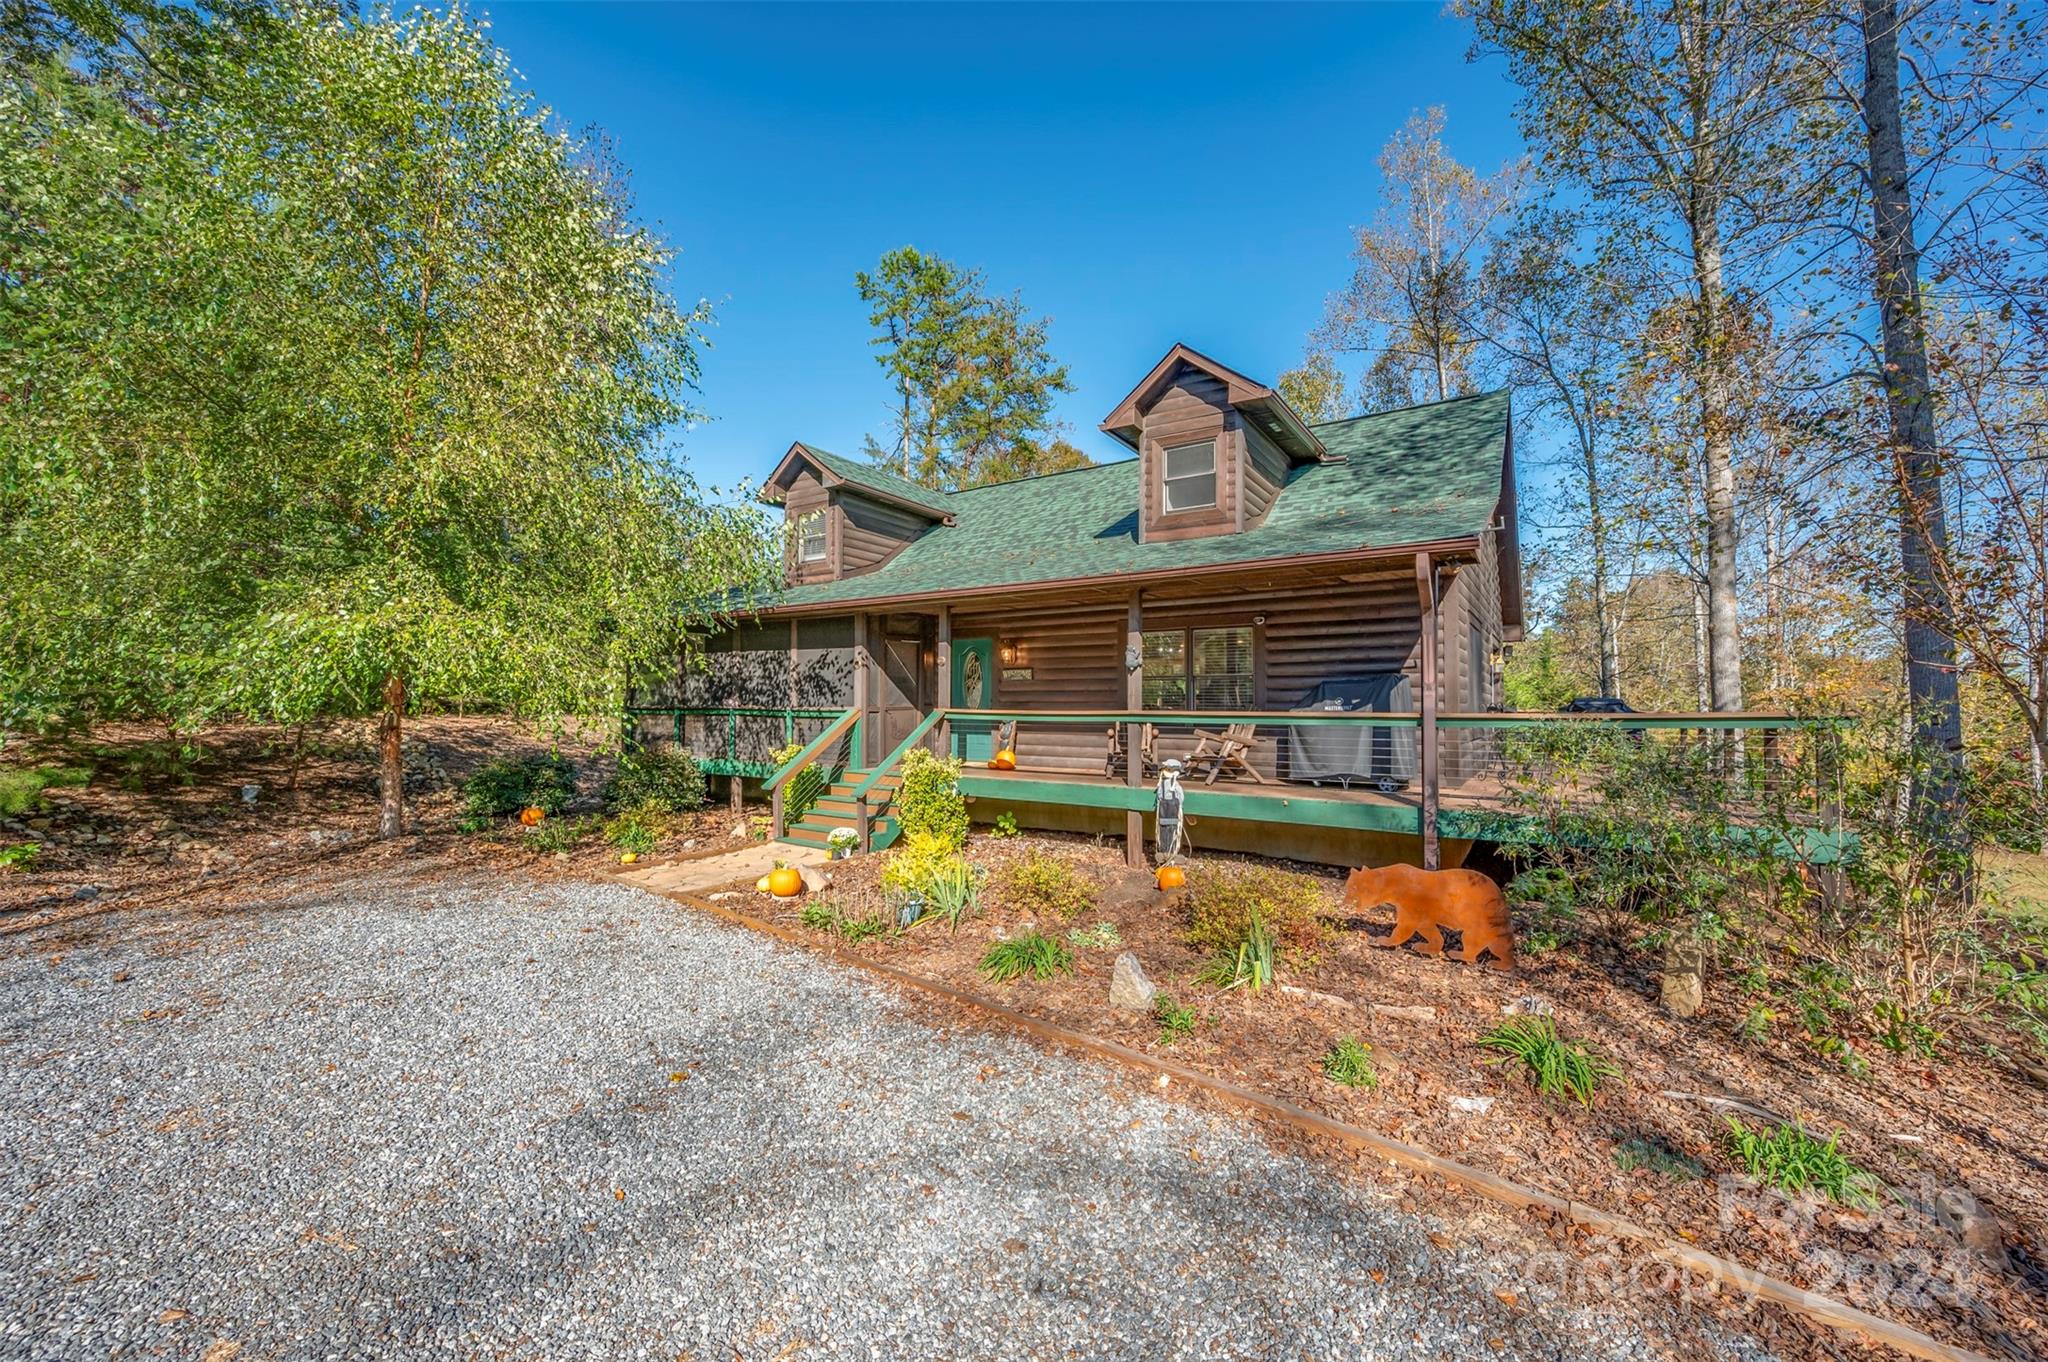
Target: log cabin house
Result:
[[1245, 568]]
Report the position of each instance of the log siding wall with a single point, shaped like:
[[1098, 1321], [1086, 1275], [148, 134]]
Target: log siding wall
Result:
[[871, 533], [1193, 409]]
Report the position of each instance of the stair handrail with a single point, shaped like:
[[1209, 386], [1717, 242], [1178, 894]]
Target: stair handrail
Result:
[[804, 757], [883, 768]]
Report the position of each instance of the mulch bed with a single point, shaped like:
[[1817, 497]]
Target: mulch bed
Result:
[[1959, 1121], [146, 829]]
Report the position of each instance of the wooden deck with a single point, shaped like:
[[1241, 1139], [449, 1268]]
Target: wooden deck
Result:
[[1469, 808]]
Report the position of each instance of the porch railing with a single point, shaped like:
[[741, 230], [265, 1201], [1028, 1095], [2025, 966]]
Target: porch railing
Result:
[[846, 725], [734, 740]]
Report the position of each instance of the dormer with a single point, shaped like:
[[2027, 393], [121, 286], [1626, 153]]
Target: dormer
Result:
[[845, 517], [1214, 447]]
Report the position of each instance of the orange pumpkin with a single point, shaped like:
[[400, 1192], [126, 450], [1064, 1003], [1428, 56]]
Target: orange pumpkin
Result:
[[1005, 760], [532, 814], [1172, 877], [785, 883]]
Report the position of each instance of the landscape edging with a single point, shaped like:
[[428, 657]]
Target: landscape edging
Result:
[[1824, 1309]]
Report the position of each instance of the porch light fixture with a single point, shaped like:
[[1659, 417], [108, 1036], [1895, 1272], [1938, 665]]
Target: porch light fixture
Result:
[[1010, 652]]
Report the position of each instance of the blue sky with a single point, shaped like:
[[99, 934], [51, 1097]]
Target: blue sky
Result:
[[1143, 174]]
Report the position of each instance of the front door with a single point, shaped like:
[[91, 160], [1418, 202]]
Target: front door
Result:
[[902, 661], [974, 687]]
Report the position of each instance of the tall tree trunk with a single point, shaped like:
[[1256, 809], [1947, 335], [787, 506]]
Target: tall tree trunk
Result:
[[1724, 630], [1606, 635], [391, 759], [1931, 685], [1700, 647]]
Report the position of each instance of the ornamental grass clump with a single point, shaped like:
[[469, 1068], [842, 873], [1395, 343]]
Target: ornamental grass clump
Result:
[[1790, 1159], [1246, 963], [1033, 953], [1349, 1062], [1558, 1067]]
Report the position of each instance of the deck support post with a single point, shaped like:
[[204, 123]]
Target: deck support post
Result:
[[1425, 595], [1134, 700], [857, 758], [945, 678], [775, 806]]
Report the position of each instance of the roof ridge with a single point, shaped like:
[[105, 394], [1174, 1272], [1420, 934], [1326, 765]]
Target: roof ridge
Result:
[[1091, 467], [1413, 406]]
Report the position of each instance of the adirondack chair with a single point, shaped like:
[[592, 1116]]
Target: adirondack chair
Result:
[[1229, 751], [1116, 761]]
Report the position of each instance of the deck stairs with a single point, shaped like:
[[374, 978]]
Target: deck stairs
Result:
[[835, 809]]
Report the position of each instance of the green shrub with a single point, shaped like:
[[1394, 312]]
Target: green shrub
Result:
[[929, 800], [546, 782], [917, 864], [668, 781], [824, 915], [1792, 1160], [1100, 937], [1033, 953], [1558, 1067], [19, 856], [1175, 1022], [1248, 961], [1549, 897], [21, 789], [1006, 825], [1222, 902], [1039, 883], [1350, 1063], [556, 834], [638, 829], [805, 784]]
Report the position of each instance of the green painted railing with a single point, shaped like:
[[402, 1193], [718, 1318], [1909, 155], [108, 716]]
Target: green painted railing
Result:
[[727, 760], [849, 721], [883, 767]]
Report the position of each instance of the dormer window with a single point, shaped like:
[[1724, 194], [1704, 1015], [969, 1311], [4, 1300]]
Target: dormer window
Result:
[[1190, 476], [810, 540]]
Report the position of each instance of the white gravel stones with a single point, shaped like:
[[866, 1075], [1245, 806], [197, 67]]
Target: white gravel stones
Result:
[[494, 1119]]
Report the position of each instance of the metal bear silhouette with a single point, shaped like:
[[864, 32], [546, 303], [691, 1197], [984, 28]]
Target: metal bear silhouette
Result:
[[1427, 901]]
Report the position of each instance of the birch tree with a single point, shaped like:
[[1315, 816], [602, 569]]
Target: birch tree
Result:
[[1416, 268], [1679, 117]]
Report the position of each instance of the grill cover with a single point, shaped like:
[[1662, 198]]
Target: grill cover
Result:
[[1375, 754]]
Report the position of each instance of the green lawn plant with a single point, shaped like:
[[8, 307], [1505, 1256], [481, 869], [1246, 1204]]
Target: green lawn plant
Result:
[[18, 856], [638, 830], [1558, 1067], [21, 788], [1033, 953]]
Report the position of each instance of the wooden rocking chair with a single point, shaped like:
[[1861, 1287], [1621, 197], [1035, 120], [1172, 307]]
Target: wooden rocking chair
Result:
[[1227, 752], [1116, 761]]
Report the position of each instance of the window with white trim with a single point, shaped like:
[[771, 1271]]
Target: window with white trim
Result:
[[1188, 476], [810, 539]]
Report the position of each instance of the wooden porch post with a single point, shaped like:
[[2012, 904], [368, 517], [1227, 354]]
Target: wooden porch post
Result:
[[945, 695], [1134, 700], [859, 758], [1425, 595]]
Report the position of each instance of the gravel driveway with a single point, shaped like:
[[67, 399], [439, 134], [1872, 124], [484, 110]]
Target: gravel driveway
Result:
[[411, 1118]]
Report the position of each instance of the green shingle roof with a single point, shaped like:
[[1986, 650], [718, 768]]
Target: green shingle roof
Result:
[[1408, 477], [875, 478]]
